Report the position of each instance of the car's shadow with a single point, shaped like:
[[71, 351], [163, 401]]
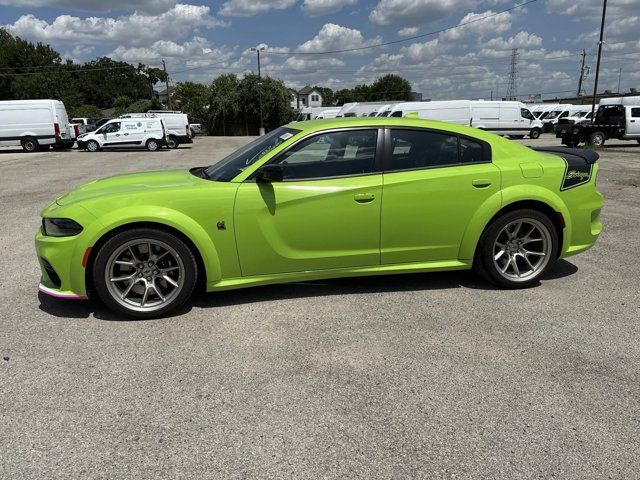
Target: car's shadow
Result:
[[319, 288]]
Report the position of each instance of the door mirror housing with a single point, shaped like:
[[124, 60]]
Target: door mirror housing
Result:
[[270, 173]]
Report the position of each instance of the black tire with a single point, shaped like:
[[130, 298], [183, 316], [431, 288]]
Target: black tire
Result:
[[519, 137], [638, 140], [486, 266], [44, 148], [597, 139], [112, 245], [173, 142], [30, 145], [153, 145], [92, 146], [534, 133]]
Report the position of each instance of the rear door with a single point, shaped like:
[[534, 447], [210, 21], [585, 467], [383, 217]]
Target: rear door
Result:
[[434, 182]]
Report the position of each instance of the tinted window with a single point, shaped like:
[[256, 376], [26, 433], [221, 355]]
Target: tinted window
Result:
[[331, 154], [421, 149], [470, 151], [111, 127], [397, 113], [635, 112], [524, 113]]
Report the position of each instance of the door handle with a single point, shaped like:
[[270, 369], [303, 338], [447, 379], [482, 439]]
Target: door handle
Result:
[[632, 121], [126, 134], [364, 197], [117, 134], [481, 182]]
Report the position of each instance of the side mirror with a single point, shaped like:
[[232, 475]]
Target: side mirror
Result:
[[270, 173]]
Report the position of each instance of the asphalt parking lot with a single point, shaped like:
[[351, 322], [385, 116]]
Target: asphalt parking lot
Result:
[[417, 376]]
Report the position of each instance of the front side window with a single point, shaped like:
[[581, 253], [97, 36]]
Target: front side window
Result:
[[397, 113], [333, 154], [413, 149], [524, 113], [234, 164], [635, 112], [111, 127]]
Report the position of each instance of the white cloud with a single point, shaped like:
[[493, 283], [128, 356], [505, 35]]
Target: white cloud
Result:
[[412, 13], [520, 40], [336, 37], [316, 8], [195, 52], [479, 25], [408, 31], [135, 29], [149, 6], [247, 8]]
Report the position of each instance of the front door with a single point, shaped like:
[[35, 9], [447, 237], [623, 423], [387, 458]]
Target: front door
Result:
[[112, 135], [325, 214], [633, 122], [434, 182]]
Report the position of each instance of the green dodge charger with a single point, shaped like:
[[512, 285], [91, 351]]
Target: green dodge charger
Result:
[[323, 199]]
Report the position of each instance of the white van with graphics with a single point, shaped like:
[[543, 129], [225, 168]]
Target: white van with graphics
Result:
[[149, 133], [176, 123], [34, 124], [499, 117]]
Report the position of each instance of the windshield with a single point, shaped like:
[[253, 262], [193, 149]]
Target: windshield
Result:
[[232, 165], [553, 114]]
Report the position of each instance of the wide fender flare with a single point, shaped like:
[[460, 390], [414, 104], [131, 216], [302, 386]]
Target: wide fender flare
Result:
[[171, 218], [504, 198]]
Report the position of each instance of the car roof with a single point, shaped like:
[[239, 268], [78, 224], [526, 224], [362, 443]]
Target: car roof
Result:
[[309, 126]]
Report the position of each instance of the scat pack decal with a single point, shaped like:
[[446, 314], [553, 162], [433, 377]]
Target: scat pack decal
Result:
[[577, 172]]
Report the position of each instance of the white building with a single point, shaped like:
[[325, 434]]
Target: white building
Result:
[[306, 97]]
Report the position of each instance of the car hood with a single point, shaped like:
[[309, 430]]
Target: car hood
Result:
[[130, 184]]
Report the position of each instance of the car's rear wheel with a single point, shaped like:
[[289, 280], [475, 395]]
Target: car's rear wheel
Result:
[[30, 145], [517, 248], [173, 142], [144, 273], [92, 146], [597, 139], [152, 145]]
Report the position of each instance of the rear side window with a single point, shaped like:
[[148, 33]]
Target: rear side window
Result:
[[416, 149], [635, 112]]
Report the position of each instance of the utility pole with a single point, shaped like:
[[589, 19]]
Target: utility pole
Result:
[[257, 50], [512, 88], [619, 78], [166, 81], [595, 84], [584, 54]]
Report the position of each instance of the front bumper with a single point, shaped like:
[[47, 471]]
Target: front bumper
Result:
[[52, 292]]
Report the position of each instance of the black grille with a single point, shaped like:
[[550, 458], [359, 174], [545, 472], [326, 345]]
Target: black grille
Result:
[[51, 273]]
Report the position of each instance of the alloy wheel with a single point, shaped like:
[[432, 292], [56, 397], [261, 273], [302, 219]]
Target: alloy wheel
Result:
[[522, 249], [144, 275]]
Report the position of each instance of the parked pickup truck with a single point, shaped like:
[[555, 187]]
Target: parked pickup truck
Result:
[[616, 118]]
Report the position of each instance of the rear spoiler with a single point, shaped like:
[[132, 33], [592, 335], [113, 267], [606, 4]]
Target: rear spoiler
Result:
[[588, 156], [579, 164]]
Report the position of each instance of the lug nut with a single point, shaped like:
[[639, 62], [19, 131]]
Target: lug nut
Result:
[[148, 279]]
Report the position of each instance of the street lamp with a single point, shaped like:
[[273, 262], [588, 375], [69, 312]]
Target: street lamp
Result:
[[258, 50]]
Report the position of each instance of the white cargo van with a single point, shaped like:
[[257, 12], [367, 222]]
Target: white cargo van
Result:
[[34, 124], [499, 117], [361, 109], [149, 133], [176, 122]]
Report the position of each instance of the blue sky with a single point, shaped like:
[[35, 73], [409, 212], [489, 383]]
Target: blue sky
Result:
[[201, 40]]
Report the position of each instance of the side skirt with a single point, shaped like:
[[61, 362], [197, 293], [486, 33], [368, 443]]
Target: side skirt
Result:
[[243, 282]]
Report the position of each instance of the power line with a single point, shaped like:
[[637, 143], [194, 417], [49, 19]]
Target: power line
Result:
[[408, 39]]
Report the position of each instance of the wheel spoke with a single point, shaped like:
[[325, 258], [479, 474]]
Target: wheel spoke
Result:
[[529, 240], [155, 289], [499, 254], [169, 269], [526, 259], [516, 229], [515, 266], [133, 255], [128, 289], [505, 267], [529, 252], [124, 262], [170, 280], [121, 279], [144, 296], [161, 256]]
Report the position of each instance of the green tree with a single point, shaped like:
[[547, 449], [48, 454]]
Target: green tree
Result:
[[328, 97], [390, 87], [194, 100], [224, 103], [85, 111]]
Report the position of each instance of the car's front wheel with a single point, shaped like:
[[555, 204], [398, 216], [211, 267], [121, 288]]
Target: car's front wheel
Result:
[[144, 273], [92, 146], [534, 133], [517, 248]]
